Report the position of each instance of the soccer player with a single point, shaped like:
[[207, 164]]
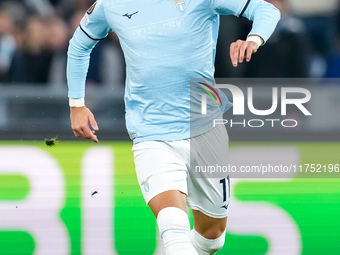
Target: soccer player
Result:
[[166, 45]]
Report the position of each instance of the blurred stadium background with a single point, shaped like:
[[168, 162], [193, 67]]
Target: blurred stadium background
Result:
[[47, 205]]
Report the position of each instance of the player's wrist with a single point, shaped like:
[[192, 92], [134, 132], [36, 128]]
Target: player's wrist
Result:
[[76, 102], [255, 38]]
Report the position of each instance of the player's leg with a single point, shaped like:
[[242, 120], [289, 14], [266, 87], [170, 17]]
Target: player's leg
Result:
[[208, 227], [209, 192], [169, 208], [170, 198], [210, 212], [162, 177], [208, 235]]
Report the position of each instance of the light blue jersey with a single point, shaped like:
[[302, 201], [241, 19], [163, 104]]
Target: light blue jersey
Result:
[[166, 43]]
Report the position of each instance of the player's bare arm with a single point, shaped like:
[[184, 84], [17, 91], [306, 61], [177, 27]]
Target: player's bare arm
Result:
[[241, 50], [83, 123]]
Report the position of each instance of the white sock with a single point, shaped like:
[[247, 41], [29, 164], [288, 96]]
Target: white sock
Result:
[[174, 229], [206, 246]]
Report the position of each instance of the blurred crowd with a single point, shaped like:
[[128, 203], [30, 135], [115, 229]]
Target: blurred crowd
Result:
[[306, 43], [34, 37]]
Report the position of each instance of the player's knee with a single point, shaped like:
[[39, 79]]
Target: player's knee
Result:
[[214, 232], [206, 246]]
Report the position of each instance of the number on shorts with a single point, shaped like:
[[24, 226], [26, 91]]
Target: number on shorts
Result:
[[224, 187]]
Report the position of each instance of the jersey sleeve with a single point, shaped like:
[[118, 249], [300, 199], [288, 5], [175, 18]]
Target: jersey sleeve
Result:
[[93, 27], [78, 59], [94, 23], [263, 14], [229, 7]]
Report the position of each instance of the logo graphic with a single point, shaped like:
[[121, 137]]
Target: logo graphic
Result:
[[89, 11], [147, 187], [298, 97], [86, 19], [225, 207], [146, 184], [180, 5], [204, 97], [130, 15]]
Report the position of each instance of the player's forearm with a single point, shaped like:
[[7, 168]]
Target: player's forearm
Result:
[[264, 16], [78, 58]]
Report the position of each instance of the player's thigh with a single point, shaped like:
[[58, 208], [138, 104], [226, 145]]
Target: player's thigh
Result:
[[208, 227], [208, 185], [161, 174]]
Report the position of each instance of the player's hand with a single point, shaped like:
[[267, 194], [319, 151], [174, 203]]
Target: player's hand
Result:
[[241, 50], [82, 120]]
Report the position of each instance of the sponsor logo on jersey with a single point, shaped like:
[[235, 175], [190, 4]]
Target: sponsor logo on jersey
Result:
[[129, 16], [180, 5]]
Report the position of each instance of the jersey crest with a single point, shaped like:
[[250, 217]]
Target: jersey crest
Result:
[[180, 5]]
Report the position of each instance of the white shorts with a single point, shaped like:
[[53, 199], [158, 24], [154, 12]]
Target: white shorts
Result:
[[163, 166]]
